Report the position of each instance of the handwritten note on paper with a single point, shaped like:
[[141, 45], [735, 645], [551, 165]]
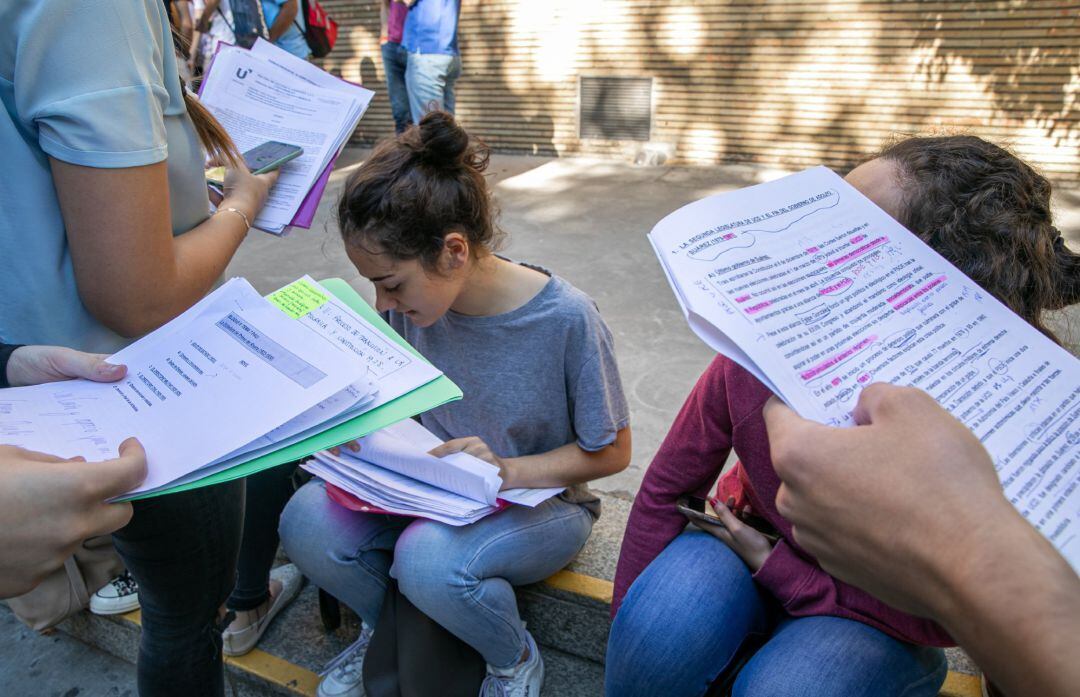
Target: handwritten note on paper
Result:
[[298, 298], [821, 293]]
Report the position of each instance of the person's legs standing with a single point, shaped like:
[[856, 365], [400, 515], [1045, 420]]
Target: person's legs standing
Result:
[[836, 657], [395, 62], [463, 577], [344, 552], [182, 550], [452, 75], [683, 620], [267, 493], [425, 79]]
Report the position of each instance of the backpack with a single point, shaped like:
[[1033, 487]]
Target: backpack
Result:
[[320, 31]]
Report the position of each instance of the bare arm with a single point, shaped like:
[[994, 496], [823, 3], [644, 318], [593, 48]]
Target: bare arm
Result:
[[284, 19], [384, 21], [203, 22], [183, 17], [132, 274], [562, 466], [962, 555]]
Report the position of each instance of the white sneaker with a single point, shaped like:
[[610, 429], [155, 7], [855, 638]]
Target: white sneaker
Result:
[[344, 676], [118, 596], [242, 641], [523, 680]]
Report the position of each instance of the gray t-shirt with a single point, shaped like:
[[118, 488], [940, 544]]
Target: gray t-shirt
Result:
[[534, 379]]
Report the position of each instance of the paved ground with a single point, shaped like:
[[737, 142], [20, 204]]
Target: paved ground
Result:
[[584, 219]]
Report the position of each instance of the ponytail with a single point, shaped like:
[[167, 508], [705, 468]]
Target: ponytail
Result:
[[211, 134]]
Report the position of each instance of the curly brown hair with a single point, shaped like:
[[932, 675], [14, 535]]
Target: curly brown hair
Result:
[[416, 188], [988, 213]]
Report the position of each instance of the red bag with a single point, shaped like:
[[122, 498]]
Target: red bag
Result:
[[320, 30]]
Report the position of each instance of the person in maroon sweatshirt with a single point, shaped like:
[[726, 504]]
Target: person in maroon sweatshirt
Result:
[[766, 618]]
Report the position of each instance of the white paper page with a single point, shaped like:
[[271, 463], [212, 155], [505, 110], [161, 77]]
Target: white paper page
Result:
[[311, 73], [256, 101], [349, 400], [332, 476], [827, 293], [386, 484], [188, 397], [530, 497], [403, 448], [392, 369]]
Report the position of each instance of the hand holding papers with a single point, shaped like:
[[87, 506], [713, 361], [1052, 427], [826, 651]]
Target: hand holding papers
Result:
[[268, 94], [394, 472], [817, 292], [234, 383]]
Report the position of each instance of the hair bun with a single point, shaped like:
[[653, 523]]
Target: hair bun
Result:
[[443, 142]]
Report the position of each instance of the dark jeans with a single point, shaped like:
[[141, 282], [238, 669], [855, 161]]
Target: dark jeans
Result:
[[395, 60], [267, 493], [182, 550]]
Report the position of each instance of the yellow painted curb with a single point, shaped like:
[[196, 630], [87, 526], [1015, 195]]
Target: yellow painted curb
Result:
[[263, 665], [588, 586], [960, 685], [304, 682]]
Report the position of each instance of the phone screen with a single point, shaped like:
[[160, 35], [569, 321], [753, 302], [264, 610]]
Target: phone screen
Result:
[[270, 155]]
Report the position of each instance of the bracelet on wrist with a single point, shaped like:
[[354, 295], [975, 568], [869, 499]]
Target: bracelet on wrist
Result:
[[242, 214]]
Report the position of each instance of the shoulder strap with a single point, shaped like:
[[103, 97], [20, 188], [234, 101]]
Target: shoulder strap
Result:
[[226, 20]]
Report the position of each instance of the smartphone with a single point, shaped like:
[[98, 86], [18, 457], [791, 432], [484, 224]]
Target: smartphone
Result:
[[693, 507], [260, 160], [270, 155]]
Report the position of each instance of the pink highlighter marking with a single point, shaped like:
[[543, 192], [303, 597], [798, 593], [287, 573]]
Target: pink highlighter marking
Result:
[[918, 294], [813, 250], [838, 358], [876, 242], [758, 308], [839, 285], [857, 239], [898, 293], [742, 298]]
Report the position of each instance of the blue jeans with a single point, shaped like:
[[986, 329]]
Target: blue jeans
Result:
[[685, 617], [395, 60], [430, 79], [461, 577], [182, 550]]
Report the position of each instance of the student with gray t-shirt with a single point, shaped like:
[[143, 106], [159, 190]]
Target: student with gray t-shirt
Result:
[[542, 401]]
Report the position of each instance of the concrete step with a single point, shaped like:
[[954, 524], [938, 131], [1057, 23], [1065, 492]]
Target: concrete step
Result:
[[568, 615]]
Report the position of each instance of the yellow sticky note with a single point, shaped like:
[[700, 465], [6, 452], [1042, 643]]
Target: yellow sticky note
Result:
[[298, 298]]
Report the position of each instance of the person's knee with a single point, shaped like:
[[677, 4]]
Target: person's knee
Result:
[[300, 527], [427, 567]]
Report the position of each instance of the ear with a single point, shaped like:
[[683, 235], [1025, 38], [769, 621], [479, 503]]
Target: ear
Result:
[[455, 252]]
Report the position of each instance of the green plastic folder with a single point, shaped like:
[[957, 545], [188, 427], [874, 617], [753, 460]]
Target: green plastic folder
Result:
[[439, 391]]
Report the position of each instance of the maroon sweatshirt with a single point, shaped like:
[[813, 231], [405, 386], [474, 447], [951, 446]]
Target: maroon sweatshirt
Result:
[[723, 412]]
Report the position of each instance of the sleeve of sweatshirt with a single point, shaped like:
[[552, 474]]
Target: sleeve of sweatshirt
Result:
[[805, 589], [687, 462]]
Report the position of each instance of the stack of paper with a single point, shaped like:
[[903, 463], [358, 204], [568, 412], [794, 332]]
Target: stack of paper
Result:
[[394, 473], [236, 384], [818, 292], [267, 93]]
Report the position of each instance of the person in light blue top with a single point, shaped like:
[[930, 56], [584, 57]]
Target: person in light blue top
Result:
[[286, 24], [434, 64], [106, 234]]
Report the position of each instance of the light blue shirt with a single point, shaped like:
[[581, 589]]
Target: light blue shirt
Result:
[[432, 27], [293, 39], [92, 84]]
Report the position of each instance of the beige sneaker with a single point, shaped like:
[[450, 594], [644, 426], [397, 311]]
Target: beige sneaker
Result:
[[241, 641]]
